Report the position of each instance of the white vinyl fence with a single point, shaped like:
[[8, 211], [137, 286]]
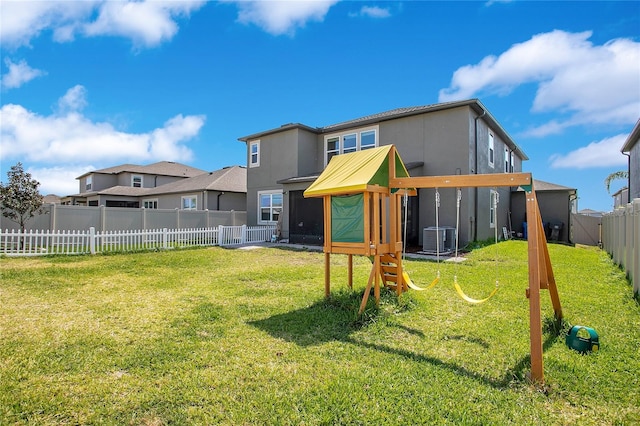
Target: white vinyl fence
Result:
[[621, 239], [40, 243]]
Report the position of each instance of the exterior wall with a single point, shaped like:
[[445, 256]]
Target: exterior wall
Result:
[[99, 182], [282, 155], [441, 141]]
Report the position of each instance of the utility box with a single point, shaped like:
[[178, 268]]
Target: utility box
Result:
[[444, 236]]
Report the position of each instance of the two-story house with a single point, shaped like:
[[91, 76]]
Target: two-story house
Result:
[[162, 185], [442, 139]]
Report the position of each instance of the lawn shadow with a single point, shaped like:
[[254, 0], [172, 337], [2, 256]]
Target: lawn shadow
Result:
[[336, 319]]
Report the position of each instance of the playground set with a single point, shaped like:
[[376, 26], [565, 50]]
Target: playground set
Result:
[[362, 196]]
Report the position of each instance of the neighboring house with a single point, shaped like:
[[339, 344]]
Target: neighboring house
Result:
[[621, 197], [441, 139], [631, 148], [51, 199], [556, 203], [590, 212], [163, 185]]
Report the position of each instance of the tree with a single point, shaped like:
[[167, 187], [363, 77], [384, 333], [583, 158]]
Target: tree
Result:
[[622, 174], [20, 199]]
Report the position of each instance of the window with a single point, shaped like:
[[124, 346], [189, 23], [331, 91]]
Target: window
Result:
[[150, 204], [88, 183], [333, 147], [493, 207], [136, 181], [254, 154], [349, 142], [491, 150], [189, 202], [270, 206], [511, 162], [368, 139], [506, 159]]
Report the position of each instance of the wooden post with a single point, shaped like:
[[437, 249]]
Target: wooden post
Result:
[[376, 242], [327, 245], [533, 292], [350, 270], [327, 274]]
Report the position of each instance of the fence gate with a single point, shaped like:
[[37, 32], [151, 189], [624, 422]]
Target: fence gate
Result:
[[586, 230]]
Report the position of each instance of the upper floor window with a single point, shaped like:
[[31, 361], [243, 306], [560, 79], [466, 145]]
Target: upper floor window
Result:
[[491, 150], [507, 157], [349, 142], [88, 183], [254, 154], [136, 181], [511, 162], [270, 203], [189, 202]]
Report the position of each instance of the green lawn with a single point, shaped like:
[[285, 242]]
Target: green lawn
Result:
[[219, 336]]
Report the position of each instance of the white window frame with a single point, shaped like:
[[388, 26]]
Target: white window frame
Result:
[[152, 201], [193, 205], [491, 154], [341, 136], [512, 162], [493, 209], [255, 163], [133, 181], [88, 183], [271, 207]]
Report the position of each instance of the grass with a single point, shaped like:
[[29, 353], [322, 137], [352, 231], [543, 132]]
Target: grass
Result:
[[218, 336]]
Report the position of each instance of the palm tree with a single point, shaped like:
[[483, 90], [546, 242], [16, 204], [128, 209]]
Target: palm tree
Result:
[[622, 174]]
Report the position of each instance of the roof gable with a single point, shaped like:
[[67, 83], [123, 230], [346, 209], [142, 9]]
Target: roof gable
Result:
[[231, 179]]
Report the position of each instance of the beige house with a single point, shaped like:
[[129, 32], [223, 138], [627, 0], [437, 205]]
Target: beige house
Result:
[[162, 185]]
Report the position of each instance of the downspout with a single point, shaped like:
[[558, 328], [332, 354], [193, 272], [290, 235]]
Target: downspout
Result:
[[218, 201], [628, 176], [475, 171]]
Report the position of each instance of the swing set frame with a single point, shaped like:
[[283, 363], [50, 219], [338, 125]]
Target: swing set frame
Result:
[[382, 245]]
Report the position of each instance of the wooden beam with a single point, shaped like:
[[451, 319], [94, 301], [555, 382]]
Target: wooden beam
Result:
[[463, 181], [533, 292]]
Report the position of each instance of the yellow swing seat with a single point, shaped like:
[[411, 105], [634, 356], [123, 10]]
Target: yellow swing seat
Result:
[[411, 285], [470, 299]]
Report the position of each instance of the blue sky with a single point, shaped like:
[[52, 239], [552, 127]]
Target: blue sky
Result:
[[92, 84]]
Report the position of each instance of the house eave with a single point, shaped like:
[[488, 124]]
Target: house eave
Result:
[[284, 127], [632, 139]]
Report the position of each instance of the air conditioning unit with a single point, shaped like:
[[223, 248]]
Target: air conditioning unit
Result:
[[445, 236]]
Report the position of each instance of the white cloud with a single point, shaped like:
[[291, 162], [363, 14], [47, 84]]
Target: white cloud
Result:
[[604, 153], [74, 100], [282, 16], [372, 12], [59, 180], [19, 74], [146, 23], [70, 137], [586, 83]]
